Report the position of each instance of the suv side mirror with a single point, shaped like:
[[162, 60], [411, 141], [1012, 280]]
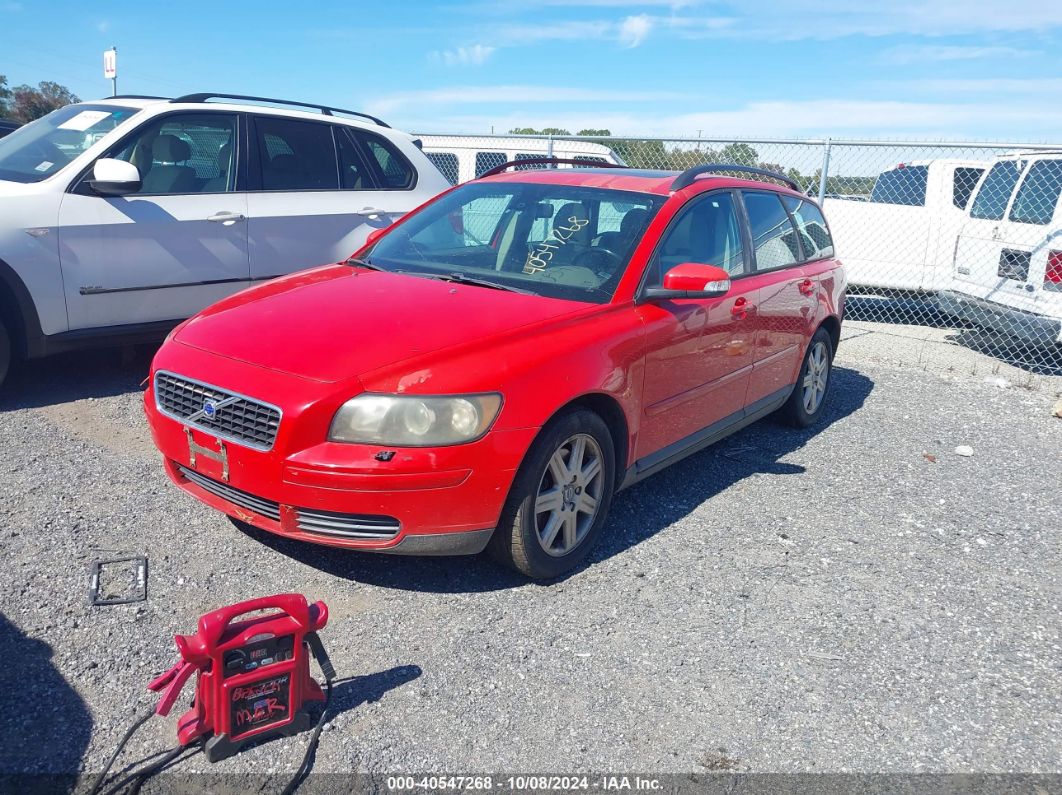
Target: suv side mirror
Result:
[[114, 177], [692, 280]]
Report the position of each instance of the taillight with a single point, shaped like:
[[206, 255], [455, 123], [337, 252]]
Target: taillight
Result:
[[1053, 274]]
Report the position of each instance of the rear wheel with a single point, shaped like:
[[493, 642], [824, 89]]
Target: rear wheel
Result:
[[560, 498], [809, 395]]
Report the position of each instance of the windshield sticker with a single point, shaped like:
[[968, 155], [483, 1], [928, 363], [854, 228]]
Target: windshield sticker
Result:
[[84, 120], [44, 165], [539, 258]]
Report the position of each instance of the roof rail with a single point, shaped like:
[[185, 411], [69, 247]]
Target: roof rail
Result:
[[327, 110], [687, 177], [134, 96], [531, 161]]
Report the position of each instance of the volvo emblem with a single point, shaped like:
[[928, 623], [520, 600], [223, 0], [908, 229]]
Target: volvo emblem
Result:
[[210, 409]]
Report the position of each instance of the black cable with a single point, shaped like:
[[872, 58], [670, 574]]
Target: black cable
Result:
[[329, 672], [139, 777], [121, 744]]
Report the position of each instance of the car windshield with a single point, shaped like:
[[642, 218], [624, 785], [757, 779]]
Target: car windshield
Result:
[[43, 147], [561, 241]]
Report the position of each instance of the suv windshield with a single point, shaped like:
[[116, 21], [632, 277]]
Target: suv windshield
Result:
[[560, 241], [40, 149]]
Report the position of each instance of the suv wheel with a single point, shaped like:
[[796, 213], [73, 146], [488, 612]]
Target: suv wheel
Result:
[[809, 395], [560, 498]]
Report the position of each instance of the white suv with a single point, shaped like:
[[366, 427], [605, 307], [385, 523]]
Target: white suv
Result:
[[1008, 257], [121, 217]]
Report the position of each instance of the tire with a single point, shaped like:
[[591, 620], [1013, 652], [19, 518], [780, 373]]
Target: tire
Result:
[[557, 537], [804, 406], [5, 352]]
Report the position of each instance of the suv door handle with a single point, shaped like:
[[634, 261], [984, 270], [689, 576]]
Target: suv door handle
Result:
[[807, 287], [371, 212], [225, 218]]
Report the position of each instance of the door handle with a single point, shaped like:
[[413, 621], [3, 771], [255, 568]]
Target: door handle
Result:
[[741, 308], [371, 212], [807, 287], [225, 218]]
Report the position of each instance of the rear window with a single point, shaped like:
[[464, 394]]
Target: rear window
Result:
[[965, 181], [902, 185], [485, 161], [1038, 195], [446, 162], [991, 200]]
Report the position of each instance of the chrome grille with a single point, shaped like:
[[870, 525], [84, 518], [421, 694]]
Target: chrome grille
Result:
[[237, 418], [346, 525], [259, 505]]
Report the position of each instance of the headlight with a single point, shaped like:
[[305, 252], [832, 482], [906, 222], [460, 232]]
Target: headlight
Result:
[[412, 421]]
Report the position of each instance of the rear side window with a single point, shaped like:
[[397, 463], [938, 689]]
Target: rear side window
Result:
[[991, 200], [485, 161], [812, 227], [296, 155], [965, 182], [902, 185], [1038, 194], [773, 237], [446, 162], [526, 156], [396, 171]]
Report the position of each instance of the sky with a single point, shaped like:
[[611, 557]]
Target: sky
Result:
[[902, 69]]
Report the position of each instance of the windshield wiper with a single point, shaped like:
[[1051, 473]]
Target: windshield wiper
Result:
[[362, 263], [460, 278]]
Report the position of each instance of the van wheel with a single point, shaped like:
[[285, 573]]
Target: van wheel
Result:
[[5, 352], [809, 395], [560, 498]]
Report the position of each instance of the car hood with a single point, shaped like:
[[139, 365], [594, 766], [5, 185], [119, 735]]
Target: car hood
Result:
[[338, 322]]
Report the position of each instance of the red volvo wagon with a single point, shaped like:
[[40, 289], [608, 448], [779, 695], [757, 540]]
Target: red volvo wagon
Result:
[[488, 371]]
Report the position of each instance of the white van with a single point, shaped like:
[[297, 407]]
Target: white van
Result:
[[903, 236], [1008, 258], [461, 158]]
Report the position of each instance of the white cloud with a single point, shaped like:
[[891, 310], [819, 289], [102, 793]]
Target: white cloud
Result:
[[633, 30], [103, 26], [914, 54], [475, 55], [532, 33]]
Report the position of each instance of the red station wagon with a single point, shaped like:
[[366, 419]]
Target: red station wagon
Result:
[[488, 371]]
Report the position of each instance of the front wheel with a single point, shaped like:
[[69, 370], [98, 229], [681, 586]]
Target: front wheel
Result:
[[809, 395], [560, 498]]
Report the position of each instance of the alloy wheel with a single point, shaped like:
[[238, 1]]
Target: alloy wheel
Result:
[[568, 495], [816, 374]]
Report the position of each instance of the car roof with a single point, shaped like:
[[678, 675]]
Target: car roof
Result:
[[628, 179]]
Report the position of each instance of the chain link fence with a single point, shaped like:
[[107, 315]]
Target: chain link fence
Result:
[[953, 250]]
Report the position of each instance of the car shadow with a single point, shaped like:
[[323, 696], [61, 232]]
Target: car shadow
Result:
[[635, 516], [93, 373], [48, 724]]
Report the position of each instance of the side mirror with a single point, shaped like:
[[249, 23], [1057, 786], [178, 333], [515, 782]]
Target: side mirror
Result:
[[114, 177], [692, 280]]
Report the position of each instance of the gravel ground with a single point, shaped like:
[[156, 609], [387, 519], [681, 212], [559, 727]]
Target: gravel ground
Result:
[[856, 598]]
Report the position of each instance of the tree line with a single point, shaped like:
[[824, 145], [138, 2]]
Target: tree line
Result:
[[25, 103]]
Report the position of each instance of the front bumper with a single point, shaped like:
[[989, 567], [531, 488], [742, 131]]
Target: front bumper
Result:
[[422, 501], [1028, 326]]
